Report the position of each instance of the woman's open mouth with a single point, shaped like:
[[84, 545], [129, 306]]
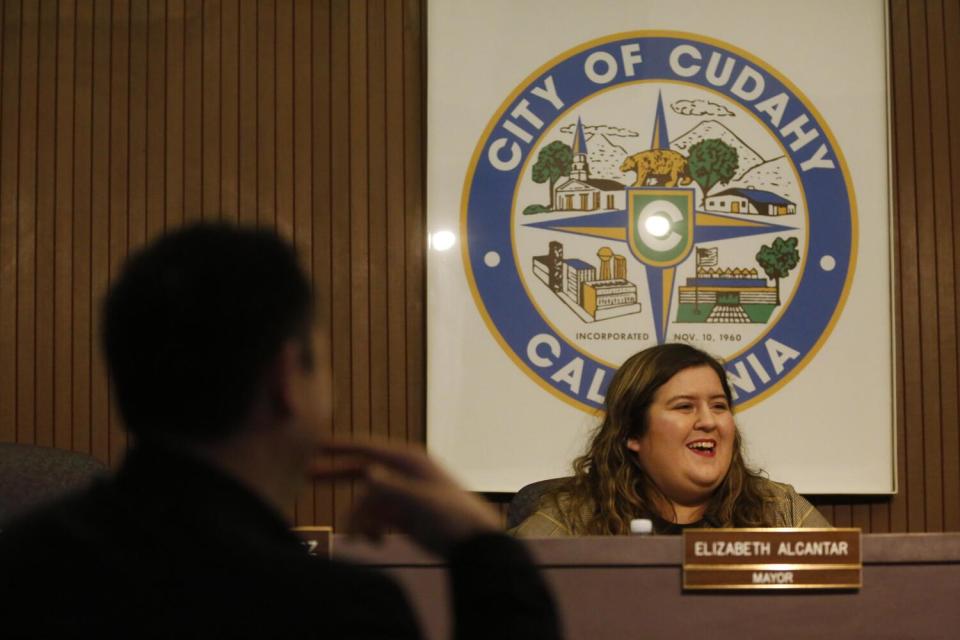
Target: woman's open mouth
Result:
[[706, 448]]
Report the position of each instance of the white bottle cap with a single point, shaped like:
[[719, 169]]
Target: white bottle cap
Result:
[[641, 526]]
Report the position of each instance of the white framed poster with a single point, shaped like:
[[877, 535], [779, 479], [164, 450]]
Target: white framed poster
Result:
[[607, 176]]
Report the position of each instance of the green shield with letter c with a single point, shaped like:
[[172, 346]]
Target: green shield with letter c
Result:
[[660, 224]]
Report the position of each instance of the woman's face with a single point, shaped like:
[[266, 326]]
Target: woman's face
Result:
[[689, 442]]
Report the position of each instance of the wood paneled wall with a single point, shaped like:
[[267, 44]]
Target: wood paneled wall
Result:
[[925, 69], [122, 118]]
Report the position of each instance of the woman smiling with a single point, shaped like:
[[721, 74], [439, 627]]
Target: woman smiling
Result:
[[668, 449]]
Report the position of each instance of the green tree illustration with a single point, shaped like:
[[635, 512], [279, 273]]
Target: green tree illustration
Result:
[[553, 162], [712, 161], [779, 259]]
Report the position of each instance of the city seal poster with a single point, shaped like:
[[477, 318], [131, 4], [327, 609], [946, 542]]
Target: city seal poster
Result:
[[654, 187]]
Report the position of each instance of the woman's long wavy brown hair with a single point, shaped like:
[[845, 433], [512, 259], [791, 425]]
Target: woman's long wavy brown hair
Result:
[[609, 488]]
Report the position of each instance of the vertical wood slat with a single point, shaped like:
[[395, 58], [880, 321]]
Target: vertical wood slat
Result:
[[247, 112], [63, 243], [283, 118], [415, 236], [136, 209], [378, 354], [27, 223], [944, 202], [341, 328], [951, 27], [321, 207], [9, 197], [102, 136], [156, 164], [192, 107], [118, 210], [298, 27], [907, 242], [82, 158], [395, 276], [136, 212], [174, 112], [46, 204], [210, 132], [120, 118], [860, 516], [229, 112], [358, 227], [266, 78], [926, 223]]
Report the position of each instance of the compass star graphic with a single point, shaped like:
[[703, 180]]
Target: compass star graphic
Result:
[[618, 226]]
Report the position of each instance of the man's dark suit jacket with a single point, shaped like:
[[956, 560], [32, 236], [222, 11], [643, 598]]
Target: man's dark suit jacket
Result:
[[173, 548]]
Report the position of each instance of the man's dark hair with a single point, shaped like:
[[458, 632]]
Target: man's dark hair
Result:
[[194, 321]]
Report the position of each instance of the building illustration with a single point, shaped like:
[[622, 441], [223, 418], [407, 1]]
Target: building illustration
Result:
[[725, 295], [581, 192], [750, 201], [592, 295]]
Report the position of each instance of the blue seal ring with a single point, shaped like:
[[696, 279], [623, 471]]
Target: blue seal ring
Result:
[[490, 193]]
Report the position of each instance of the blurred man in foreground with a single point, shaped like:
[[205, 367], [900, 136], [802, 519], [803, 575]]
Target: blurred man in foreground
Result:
[[219, 376]]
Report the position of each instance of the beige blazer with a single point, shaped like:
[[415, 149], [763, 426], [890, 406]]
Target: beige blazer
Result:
[[791, 509]]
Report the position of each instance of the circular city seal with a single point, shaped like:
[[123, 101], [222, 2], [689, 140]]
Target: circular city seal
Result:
[[653, 187]]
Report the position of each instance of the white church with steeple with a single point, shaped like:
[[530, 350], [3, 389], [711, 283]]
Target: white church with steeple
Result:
[[583, 193]]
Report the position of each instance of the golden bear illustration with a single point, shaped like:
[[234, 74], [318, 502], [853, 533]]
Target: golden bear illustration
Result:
[[668, 168]]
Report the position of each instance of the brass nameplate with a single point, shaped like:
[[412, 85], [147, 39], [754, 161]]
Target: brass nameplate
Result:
[[317, 540], [772, 559]]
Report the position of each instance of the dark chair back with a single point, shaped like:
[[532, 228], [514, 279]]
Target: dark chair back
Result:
[[31, 475], [525, 502]]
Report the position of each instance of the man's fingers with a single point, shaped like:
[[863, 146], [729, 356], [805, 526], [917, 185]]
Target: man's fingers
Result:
[[404, 489], [406, 459], [382, 482]]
